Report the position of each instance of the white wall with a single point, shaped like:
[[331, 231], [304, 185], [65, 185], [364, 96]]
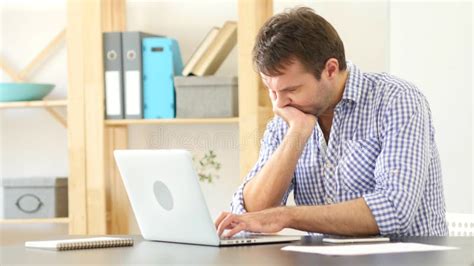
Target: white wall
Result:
[[431, 45], [32, 143], [362, 26]]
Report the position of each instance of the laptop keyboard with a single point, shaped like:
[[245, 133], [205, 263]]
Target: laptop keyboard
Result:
[[243, 236]]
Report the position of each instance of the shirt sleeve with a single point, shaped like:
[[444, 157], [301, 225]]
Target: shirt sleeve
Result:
[[402, 166], [269, 143]]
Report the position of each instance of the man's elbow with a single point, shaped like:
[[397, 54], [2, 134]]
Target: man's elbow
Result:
[[253, 202]]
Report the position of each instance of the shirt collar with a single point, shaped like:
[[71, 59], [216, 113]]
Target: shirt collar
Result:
[[352, 89]]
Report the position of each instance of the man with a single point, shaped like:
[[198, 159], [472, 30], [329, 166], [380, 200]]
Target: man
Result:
[[356, 148]]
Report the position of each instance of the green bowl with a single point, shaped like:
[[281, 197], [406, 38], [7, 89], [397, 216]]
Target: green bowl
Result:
[[13, 92]]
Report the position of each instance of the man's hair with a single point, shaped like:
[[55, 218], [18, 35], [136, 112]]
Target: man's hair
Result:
[[301, 34]]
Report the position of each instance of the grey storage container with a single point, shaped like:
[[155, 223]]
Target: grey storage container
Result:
[[206, 97], [34, 197]]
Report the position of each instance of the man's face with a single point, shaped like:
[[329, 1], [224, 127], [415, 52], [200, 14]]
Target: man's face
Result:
[[298, 88]]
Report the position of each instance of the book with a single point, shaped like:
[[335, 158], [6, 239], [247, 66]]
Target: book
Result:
[[202, 47], [81, 243], [218, 50]]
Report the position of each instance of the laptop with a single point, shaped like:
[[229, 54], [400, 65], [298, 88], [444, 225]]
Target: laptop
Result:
[[167, 201]]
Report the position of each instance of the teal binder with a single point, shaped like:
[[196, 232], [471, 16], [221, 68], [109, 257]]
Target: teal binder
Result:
[[161, 62]]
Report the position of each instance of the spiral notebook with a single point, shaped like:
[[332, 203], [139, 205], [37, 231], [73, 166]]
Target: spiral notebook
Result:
[[81, 243]]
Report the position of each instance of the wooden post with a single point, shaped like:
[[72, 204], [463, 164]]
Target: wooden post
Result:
[[88, 153], [118, 205], [94, 117], [76, 118], [255, 108]]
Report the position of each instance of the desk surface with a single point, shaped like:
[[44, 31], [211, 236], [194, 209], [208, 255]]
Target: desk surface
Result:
[[148, 252]]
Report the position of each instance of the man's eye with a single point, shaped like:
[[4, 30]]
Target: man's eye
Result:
[[273, 94]]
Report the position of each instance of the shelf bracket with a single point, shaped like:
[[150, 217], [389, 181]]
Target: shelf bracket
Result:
[[9, 71], [58, 117], [21, 77], [43, 54]]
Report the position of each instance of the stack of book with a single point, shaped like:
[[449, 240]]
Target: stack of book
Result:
[[212, 50]]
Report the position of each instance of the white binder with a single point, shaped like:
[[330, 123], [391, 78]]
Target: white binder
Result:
[[114, 94]]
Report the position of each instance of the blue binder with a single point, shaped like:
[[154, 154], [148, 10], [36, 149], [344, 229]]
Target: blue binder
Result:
[[161, 62]]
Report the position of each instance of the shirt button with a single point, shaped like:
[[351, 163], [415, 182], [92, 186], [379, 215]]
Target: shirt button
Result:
[[329, 200], [329, 168]]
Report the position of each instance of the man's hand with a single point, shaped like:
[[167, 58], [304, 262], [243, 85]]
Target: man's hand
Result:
[[295, 118], [267, 221]]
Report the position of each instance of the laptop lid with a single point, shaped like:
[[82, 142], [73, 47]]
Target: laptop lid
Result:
[[166, 197]]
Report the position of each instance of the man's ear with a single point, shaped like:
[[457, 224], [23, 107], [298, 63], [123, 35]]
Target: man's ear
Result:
[[331, 68]]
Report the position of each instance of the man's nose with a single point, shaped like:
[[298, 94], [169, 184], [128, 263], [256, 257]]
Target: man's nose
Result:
[[282, 101]]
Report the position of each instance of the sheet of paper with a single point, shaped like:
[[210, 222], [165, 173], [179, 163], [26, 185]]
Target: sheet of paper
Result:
[[366, 249]]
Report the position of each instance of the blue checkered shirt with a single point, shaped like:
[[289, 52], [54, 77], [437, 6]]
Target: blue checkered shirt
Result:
[[381, 148]]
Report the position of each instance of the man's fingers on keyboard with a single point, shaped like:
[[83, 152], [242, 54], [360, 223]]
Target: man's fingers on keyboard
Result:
[[226, 222], [220, 218], [239, 227]]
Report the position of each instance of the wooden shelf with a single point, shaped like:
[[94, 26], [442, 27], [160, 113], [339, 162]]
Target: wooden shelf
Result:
[[33, 104], [177, 121], [34, 221], [100, 204]]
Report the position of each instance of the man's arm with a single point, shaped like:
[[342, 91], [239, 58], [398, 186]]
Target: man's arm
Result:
[[268, 187], [347, 218]]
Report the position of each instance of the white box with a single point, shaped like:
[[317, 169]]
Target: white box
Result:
[[206, 97], [34, 197]]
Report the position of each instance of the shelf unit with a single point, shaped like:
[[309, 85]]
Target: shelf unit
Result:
[[98, 203], [177, 121], [33, 104], [35, 221]]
